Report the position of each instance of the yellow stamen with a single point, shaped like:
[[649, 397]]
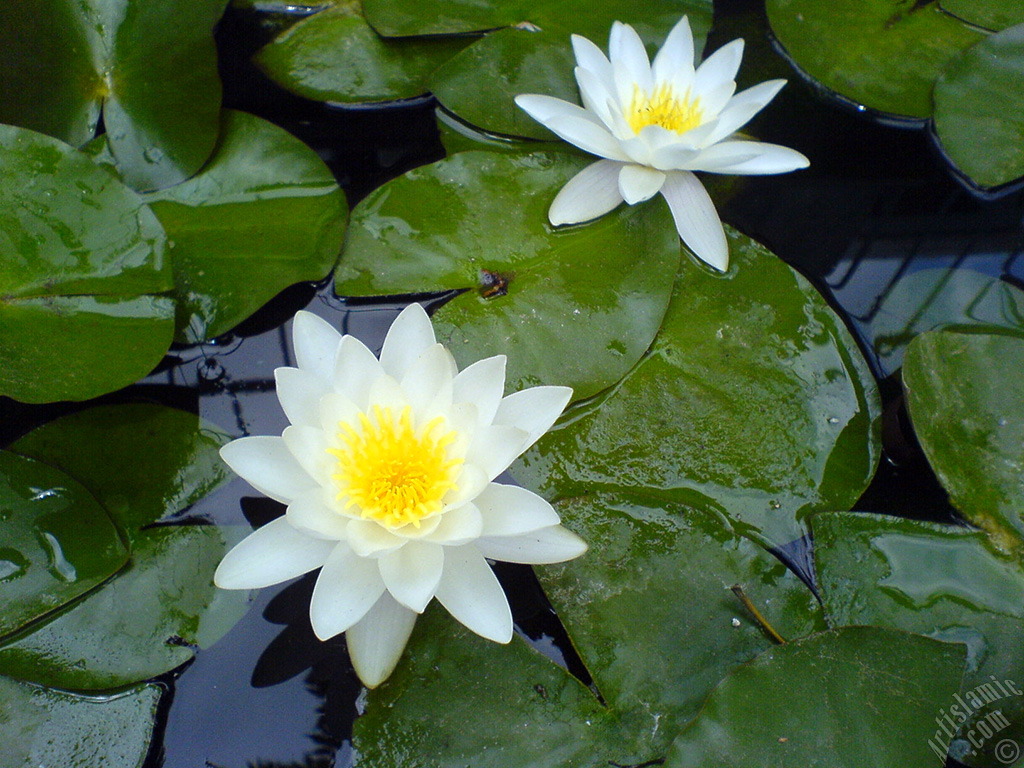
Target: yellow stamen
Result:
[[664, 108], [391, 472]]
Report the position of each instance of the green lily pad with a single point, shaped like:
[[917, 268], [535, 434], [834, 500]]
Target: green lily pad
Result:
[[995, 15], [753, 401], [155, 462], [883, 55], [336, 56], [943, 582], [966, 401], [81, 264], [979, 109], [153, 67], [941, 297], [480, 83], [263, 214], [855, 696], [404, 18], [656, 637], [42, 727], [575, 306], [57, 541]]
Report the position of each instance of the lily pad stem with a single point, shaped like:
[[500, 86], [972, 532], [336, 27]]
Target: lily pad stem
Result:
[[749, 605]]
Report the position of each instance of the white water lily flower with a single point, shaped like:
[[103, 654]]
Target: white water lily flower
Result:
[[654, 124], [387, 470]]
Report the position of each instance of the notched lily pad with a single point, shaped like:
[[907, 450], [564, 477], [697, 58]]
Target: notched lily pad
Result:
[[265, 213], [995, 15], [82, 271], [879, 55], [574, 306], [155, 462], [753, 402], [57, 542], [966, 400]]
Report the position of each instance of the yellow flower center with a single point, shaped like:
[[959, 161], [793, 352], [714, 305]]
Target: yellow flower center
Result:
[[664, 108], [391, 472]]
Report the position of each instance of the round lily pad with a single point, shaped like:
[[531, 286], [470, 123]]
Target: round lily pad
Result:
[[753, 401], [966, 401], [880, 55], [577, 306], [979, 110], [81, 275], [56, 541], [334, 55], [155, 462], [265, 213]]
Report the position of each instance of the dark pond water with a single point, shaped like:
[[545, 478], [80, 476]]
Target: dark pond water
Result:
[[875, 208]]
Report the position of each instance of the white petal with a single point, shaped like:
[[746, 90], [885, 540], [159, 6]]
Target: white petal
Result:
[[368, 538], [408, 338], [311, 514], [412, 573], [750, 157], [742, 107], [471, 593], [533, 410], [268, 466], [592, 58], [428, 383], [316, 342], [495, 447], [482, 384], [638, 183], [714, 100], [356, 369], [309, 447], [388, 393], [630, 64], [375, 642], [458, 526], [335, 409], [590, 193], [675, 58], [696, 218], [718, 69], [299, 392], [345, 590], [472, 480], [572, 123], [508, 510], [272, 554], [546, 545], [599, 96]]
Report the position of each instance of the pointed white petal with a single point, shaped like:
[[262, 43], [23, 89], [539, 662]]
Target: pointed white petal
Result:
[[458, 526], [675, 58], [299, 392], [471, 593], [375, 642], [592, 58], [483, 384], [750, 157], [495, 447], [718, 69], [630, 65], [508, 510], [428, 383], [309, 447], [696, 218], [407, 339], [715, 99], [368, 538], [742, 107], [412, 573], [335, 409], [356, 369], [268, 466], [590, 193], [638, 183], [316, 342], [311, 514], [546, 545], [533, 410], [572, 123], [345, 590], [272, 554], [388, 393], [472, 480]]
